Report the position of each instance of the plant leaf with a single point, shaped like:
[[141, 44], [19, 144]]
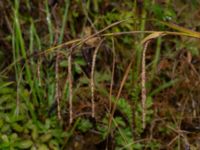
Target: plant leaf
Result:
[[181, 29], [153, 35]]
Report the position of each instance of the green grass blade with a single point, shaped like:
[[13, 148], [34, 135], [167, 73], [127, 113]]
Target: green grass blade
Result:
[[163, 86]]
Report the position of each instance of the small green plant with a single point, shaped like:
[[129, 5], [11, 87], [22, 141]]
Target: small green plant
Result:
[[138, 113], [84, 125]]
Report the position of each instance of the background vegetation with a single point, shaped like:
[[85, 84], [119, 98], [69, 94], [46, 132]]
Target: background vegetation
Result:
[[101, 74]]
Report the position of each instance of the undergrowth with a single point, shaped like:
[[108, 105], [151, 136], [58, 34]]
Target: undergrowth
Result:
[[96, 75]]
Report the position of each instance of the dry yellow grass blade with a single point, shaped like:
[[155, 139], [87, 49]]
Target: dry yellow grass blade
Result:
[[153, 35], [181, 29], [143, 80]]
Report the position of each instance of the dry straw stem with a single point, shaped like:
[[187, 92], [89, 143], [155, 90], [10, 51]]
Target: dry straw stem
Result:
[[39, 62], [143, 85], [70, 88], [145, 42], [113, 72], [119, 91], [57, 96], [92, 86], [180, 134]]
